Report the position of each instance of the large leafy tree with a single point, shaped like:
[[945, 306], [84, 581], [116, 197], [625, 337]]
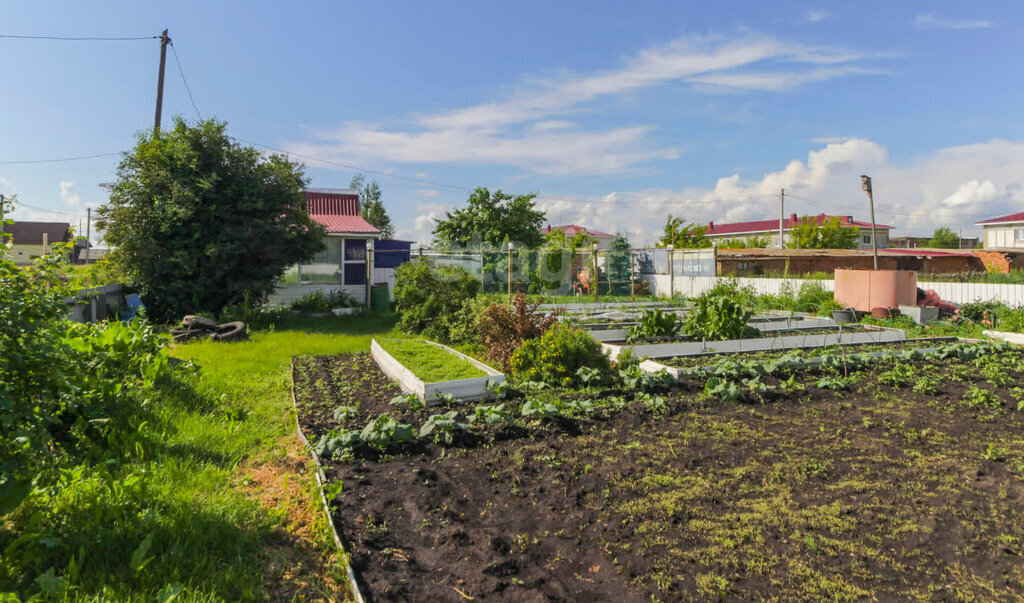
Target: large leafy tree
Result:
[[944, 238], [371, 208], [830, 234], [491, 220], [199, 222], [682, 235]]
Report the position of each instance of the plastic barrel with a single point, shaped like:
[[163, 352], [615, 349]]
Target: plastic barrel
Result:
[[379, 299]]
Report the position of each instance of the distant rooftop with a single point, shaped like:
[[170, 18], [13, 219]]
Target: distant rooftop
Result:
[[773, 225], [1017, 217], [570, 230]]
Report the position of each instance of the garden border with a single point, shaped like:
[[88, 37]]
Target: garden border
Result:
[[766, 344], [321, 481], [469, 390], [652, 366]]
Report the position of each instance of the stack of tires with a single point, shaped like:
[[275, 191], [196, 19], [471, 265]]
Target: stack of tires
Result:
[[194, 327]]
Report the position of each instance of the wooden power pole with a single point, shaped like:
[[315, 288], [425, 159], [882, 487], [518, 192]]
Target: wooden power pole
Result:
[[164, 40], [782, 217], [865, 182]]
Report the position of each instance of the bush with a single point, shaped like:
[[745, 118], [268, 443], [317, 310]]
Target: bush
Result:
[[556, 356], [816, 299], [504, 328], [719, 316], [654, 323], [430, 298], [318, 301], [69, 392]]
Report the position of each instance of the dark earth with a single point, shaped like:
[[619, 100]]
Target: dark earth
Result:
[[908, 486]]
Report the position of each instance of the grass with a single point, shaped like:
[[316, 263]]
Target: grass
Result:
[[222, 507], [429, 362]]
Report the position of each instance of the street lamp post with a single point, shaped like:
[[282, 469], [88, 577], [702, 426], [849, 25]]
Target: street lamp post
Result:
[[865, 183]]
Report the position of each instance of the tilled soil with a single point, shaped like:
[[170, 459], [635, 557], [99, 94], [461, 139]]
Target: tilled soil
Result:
[[880, 492]]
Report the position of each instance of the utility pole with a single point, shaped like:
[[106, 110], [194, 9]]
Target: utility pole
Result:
[[865, 183], [88, 231], [164, 40], [782, 217]]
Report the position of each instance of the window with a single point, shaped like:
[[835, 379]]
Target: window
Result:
[[867, 239], [1018, 234], [325, 267], [355, 262]]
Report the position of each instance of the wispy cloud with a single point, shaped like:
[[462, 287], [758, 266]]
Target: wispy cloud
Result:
[[816, 16], [69, 194], [527, 129], [931, 21], [427, 192]]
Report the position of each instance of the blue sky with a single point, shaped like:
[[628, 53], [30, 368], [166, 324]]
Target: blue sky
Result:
[[615, 114]]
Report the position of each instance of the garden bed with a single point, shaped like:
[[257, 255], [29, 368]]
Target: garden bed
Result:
[[430, 369], [889, 490], [769, 341]]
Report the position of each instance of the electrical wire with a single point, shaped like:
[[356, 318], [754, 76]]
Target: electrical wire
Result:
[[878, 208], [78, 39], [185, 81], [58, 160]]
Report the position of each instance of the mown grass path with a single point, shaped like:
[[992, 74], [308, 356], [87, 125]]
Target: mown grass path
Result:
[[247, 454]]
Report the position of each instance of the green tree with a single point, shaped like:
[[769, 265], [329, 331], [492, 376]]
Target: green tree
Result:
[[371, 208], [744, 243], [682, 235], [199, 222], [491, 220], [831, 234], [944, 238], [617, 265]]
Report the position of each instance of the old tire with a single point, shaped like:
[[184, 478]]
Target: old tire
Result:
[[199, 322], [231, 331]]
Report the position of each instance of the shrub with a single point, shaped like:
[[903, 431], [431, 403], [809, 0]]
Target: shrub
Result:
[[69, 392], [556, 357], [815, 298], [654, 323], [504, 328], [719, 316], [430, 297], [318, 301]]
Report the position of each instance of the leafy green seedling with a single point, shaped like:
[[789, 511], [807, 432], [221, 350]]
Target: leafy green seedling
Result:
[[343, 413], [444, 427]]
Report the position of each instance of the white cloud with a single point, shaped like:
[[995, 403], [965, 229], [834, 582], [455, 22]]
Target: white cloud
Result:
[[426, 216], [816, 16], [421, 175], [427, 192], [930, 21], [527, 129], [69, 194], [955, 187]]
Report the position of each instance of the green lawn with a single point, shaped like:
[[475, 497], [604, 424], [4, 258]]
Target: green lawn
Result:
[[222, 508]]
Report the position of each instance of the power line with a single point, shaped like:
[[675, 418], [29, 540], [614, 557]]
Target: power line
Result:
[[79, 39], [185, 81], [58, 160], [55, 211]]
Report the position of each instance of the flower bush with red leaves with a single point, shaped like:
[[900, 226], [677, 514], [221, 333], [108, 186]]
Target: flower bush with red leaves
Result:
[[504, 328]]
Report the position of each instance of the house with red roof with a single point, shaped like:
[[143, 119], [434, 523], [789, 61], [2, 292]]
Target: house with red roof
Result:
[[769, 229], [603, 239], [1004, 232], [342, 263]]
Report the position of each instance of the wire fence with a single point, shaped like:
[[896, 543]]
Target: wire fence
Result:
[[573, 272]]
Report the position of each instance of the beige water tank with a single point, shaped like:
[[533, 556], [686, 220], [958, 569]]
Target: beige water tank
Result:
[[866, 289]]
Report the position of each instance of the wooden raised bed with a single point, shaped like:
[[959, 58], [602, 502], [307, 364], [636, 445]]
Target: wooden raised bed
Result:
[[474, 388]]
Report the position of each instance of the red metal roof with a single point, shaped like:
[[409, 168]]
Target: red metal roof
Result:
[[1017, 217], [770, 225], [343, 224], [337, 210], [570, 230], [332, 202]]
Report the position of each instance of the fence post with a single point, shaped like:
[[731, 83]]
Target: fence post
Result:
[[671, 274], [510, 272], [594, 280], [369, 271]]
